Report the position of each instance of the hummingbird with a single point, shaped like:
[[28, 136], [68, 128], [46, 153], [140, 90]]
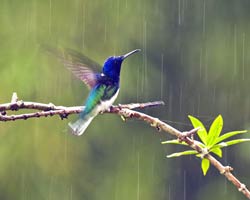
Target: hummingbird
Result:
[[104, 85]]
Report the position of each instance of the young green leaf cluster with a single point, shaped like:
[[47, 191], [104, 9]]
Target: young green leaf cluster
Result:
[[210, 142]]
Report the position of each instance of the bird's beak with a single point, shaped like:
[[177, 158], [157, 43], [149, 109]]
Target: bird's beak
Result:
[[130, 53]]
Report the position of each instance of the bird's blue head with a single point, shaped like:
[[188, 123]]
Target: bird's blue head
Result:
[[112, 66]]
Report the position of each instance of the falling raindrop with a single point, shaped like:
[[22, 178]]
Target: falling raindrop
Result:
[[27, 21], [137, 84], [118, 13], [65, 147], [76, 16], [116, 187], [83, 24], [50, 187], [184, 187], [138, 175], [105, 30], [24, 189], [243, 56], [183, 9], [181, 97], [179, 12], [71, 192], [206, 63], [198, 106], [50, 15], [235, 50], [204, 19], [169, 192], [170, 99], [153, 165], [201, 52], [144, 74], [162, 74], [225, 182], [214, 95], [247, 108]]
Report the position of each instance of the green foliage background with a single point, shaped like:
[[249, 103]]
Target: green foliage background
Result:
[[195, 57]]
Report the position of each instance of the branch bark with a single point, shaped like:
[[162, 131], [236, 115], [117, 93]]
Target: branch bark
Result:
[[126, 111]]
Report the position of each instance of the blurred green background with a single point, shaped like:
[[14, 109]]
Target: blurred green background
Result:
[[195, 57]]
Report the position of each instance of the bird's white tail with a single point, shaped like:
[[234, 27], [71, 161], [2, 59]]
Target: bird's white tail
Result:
[[78, 127]]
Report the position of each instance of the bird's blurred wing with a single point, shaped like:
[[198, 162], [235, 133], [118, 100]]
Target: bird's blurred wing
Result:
[[80, 65]]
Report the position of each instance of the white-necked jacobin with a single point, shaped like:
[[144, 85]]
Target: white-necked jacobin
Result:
[[104, 86]]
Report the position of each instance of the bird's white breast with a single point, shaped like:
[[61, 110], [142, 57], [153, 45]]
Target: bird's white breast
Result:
[[104, 105]]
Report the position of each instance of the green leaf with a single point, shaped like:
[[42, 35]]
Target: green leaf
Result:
[[214, 131], [228, 135], [217, 151], [183, 153], [174, 142], [201, 145], [231, 142], [205, 164], [202, 133]]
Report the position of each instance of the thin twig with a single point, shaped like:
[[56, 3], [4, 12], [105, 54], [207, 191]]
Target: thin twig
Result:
[[155, 122], [125, 111]]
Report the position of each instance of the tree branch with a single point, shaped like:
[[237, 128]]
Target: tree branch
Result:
[[125, 111]]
